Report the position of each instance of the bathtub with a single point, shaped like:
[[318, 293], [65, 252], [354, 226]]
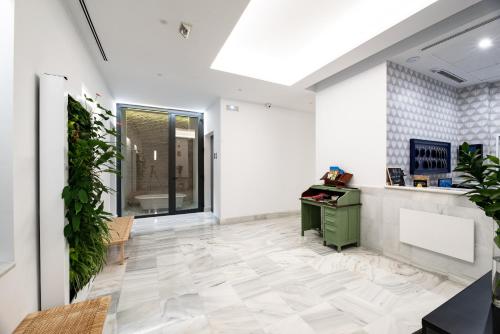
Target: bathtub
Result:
[[158, 201]]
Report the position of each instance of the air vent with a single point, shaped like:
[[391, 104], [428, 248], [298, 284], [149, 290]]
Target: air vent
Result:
[[479, 25], [449, 75], [92, 29]]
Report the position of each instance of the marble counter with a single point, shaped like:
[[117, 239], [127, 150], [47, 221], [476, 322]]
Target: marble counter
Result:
[[380, 228], [438, 190]]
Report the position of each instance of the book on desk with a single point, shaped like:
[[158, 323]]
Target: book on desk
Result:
[[334, 211]]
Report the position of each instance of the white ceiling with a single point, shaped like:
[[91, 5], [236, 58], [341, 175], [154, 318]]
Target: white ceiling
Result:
[[284, 41], [460, 55], [151, 64]]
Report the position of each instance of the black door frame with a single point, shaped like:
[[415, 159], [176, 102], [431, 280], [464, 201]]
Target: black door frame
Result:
[[172, 113]]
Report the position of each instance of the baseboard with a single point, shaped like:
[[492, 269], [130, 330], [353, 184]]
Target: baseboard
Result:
[[264, 216]]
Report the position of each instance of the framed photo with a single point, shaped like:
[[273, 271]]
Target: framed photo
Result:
[[395, 176], [420, 183], [445, 183]]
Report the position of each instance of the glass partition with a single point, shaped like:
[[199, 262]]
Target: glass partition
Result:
[[186, 162], [160, 172], [145, 173]]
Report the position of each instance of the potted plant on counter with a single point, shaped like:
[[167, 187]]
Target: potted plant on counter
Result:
[[482, 175]]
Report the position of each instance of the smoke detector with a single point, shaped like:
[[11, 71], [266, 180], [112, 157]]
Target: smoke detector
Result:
[[268, 105], [185, 29]]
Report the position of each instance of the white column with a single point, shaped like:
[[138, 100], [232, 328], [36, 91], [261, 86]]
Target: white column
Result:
[[54, 252]]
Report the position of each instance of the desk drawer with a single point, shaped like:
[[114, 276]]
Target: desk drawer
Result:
[[330, 235], [330, 212]]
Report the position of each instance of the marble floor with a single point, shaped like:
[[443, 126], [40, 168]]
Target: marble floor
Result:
[[187, 274]]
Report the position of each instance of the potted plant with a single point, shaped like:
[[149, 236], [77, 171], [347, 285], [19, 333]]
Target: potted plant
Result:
[[482, 175]]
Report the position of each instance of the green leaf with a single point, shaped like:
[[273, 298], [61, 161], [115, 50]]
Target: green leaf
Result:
[[78, 207], [82, 195], [75, 222]]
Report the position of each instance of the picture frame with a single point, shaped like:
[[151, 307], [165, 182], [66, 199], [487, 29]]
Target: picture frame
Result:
[[445, 182], [395, 176]]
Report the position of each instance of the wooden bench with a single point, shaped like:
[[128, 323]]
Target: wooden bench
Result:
[[87, 317], [119, 233]]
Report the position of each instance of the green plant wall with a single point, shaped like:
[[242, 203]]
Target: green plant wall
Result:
[[90, 154]]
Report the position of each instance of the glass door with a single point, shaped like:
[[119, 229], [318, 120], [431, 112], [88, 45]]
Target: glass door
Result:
[[186, 163], [144, 169], [162, 169]]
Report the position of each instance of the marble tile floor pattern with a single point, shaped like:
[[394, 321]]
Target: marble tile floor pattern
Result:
[[186, 274]]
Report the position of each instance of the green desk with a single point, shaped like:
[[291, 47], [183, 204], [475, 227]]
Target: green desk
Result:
[[339, 222]]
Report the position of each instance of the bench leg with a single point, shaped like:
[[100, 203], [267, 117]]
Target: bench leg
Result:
[[122, 253]]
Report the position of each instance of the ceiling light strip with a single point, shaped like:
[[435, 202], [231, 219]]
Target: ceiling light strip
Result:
[[479, 25], [92, 28]]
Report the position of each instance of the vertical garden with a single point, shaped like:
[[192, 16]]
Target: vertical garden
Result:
[[91, 154]]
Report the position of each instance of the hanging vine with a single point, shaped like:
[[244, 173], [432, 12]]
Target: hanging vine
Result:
[[90, 154]]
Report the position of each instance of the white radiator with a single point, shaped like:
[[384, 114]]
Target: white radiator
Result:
[[448, 235], [53, 142]]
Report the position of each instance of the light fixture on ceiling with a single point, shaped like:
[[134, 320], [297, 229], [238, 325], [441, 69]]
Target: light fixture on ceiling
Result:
[[276, 42], [412, 60], [163, 21], [485, 43], [185, 29], [232, 107], [154, 155], [185, 133]]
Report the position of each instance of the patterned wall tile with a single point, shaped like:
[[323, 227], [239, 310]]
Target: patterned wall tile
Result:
[[475, 115], [421, 107], [418, 107]]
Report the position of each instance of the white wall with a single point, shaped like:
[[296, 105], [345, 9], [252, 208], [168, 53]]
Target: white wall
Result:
[[213, 126], [6, 122], [351, 127], [45, 42], [267, 159]]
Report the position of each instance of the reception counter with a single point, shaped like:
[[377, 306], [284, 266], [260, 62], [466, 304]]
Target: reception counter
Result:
[[437, 229], [439, 190]]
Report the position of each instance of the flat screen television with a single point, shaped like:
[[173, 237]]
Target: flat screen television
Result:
[[429, 157]]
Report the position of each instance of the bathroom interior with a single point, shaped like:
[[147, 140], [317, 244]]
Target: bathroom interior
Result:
[[160, 160]]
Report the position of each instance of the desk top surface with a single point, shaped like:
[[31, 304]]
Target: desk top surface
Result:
[[470, 311]]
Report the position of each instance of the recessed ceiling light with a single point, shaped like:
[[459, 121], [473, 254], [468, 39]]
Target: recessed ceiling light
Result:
[[163, 21], [185, 29], [159, 74], [284, 41], [485, 43], [413, 59], [231, 107]]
